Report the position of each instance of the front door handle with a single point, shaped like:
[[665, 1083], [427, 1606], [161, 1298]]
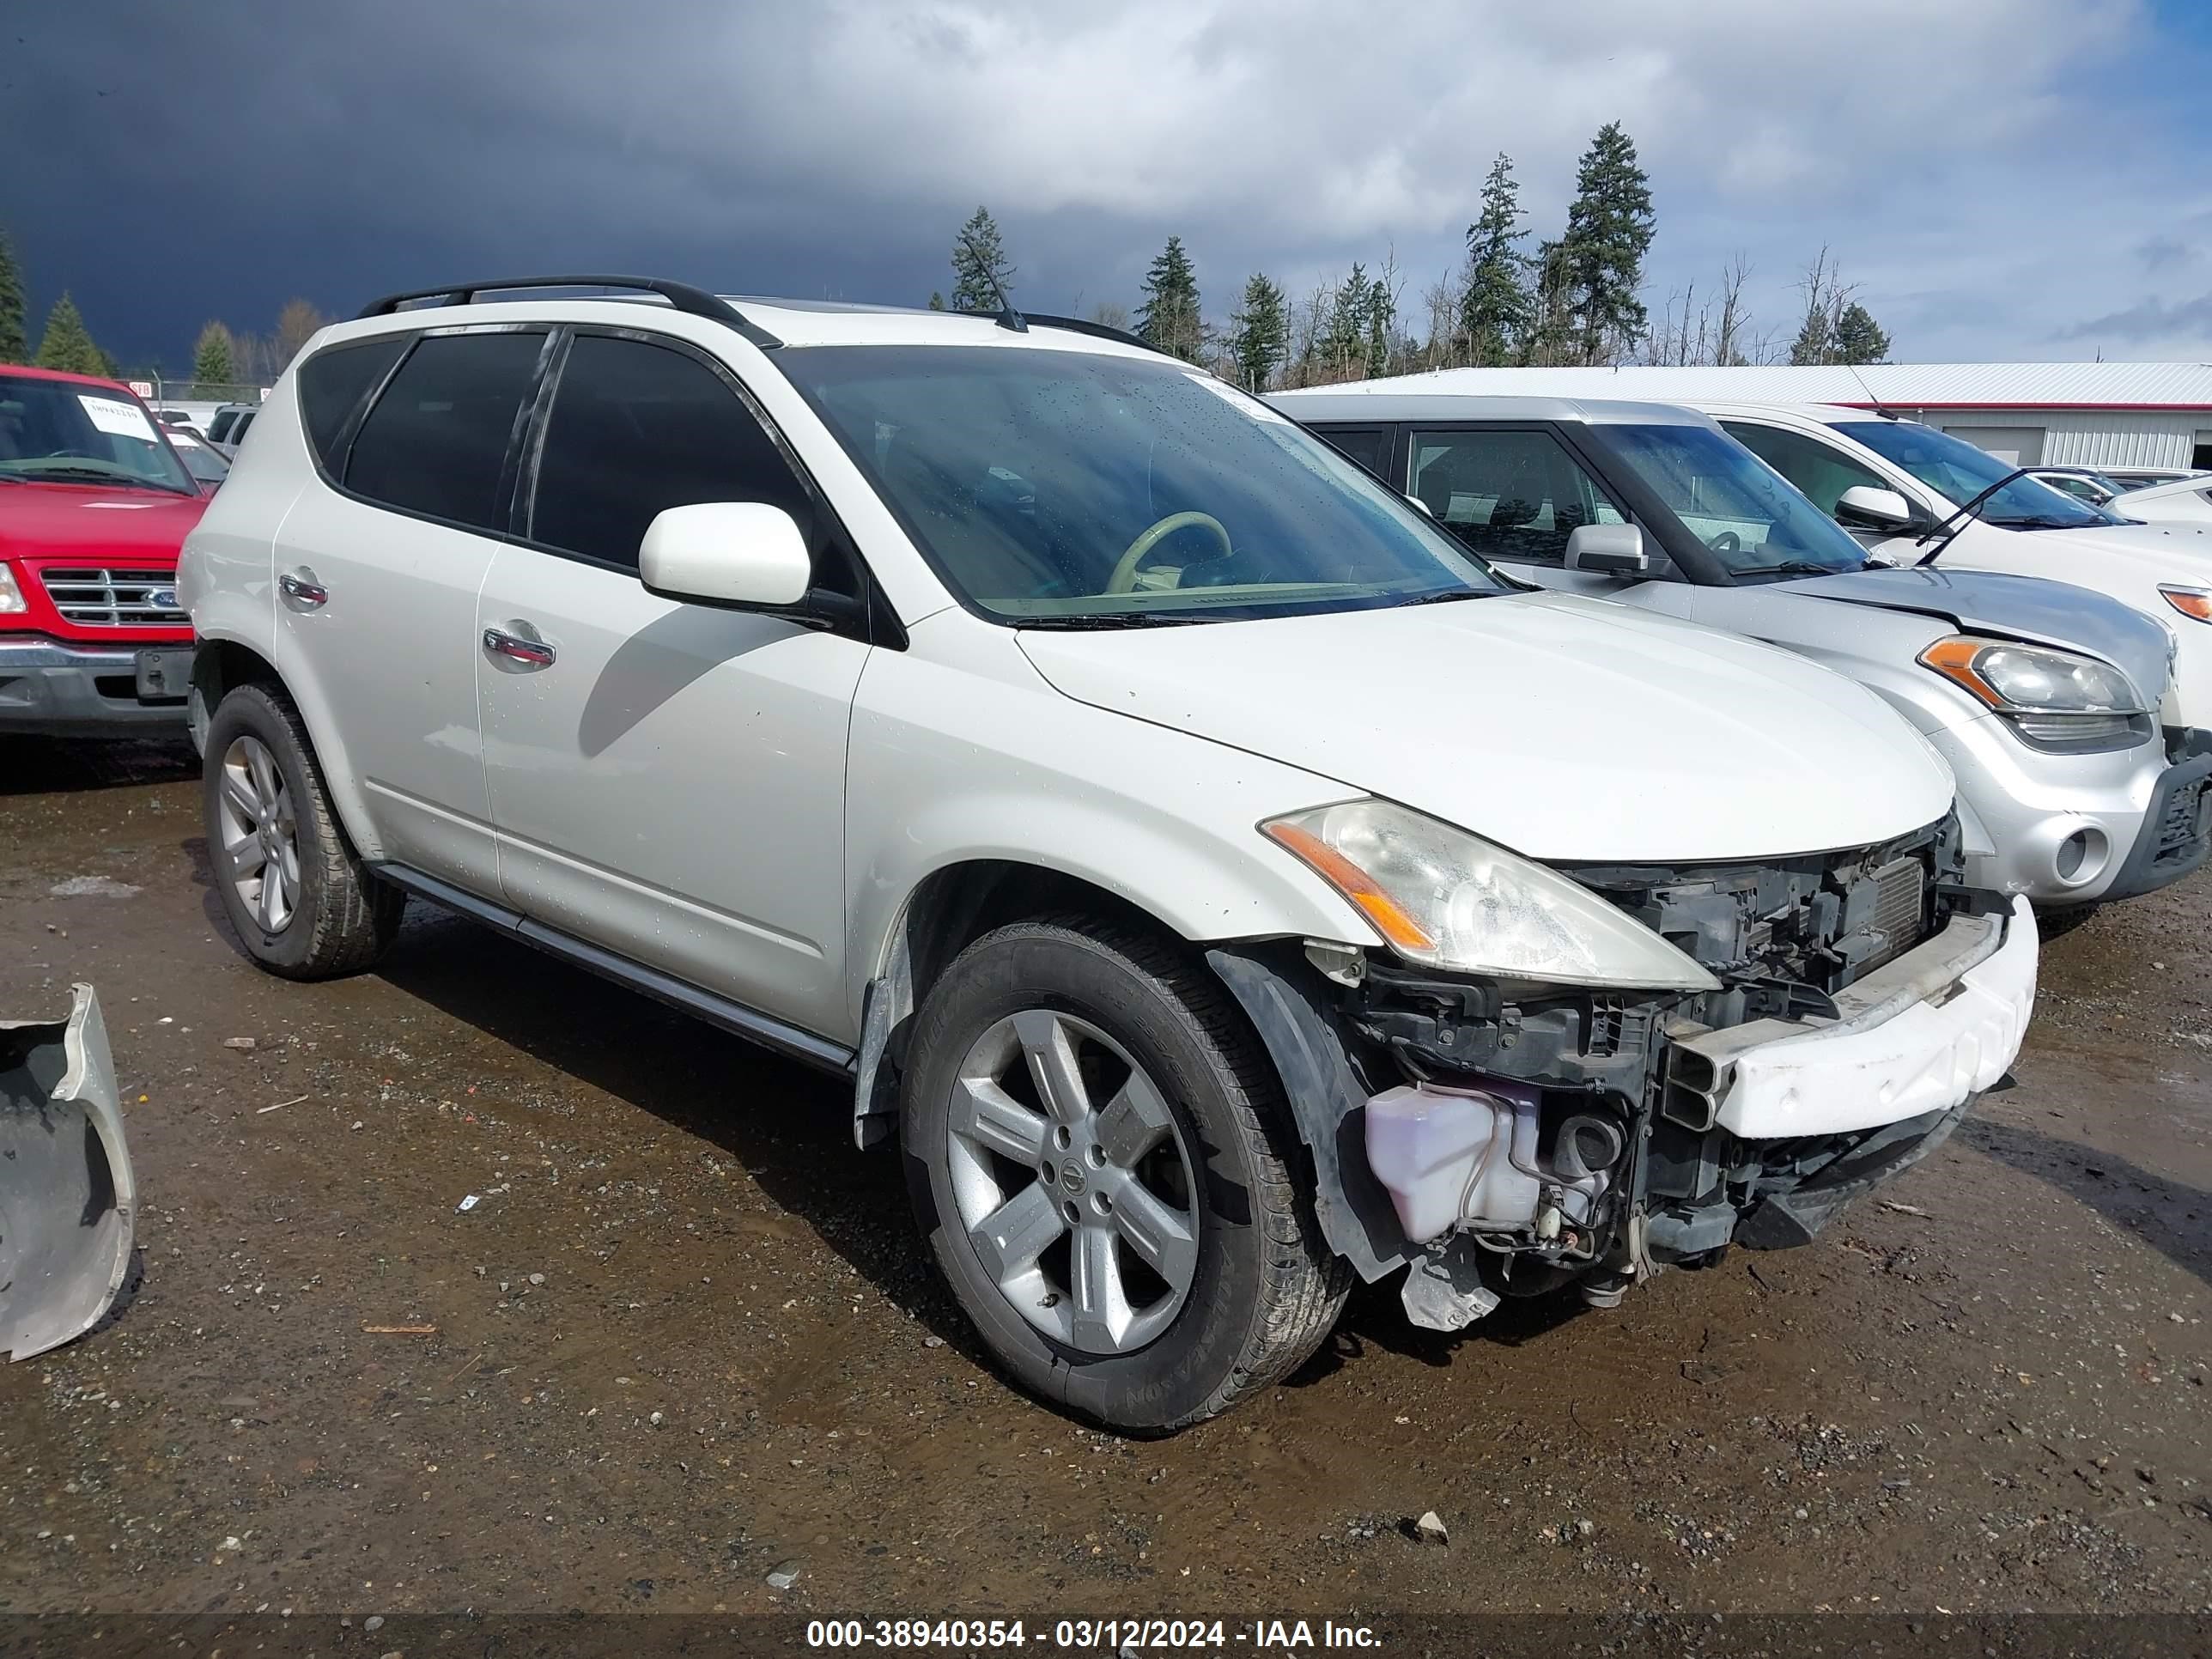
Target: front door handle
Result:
[[303, 590], [519, 648]]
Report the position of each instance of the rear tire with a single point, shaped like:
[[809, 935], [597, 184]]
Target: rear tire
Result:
[[296, 894], [1216, 1281]]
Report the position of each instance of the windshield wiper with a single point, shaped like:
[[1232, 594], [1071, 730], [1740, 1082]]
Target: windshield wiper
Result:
[[1935, 530], [1441, 595], [1796, 567], [98, 475], [1111, 619]]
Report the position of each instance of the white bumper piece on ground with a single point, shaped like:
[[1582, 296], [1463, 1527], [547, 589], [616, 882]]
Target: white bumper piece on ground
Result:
[[1919, 1035]]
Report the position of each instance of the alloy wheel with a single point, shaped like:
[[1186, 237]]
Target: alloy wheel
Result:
[[1072, 1181], [260, 834]]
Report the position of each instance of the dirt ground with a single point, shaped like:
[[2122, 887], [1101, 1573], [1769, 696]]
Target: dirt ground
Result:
[[685, 1333]]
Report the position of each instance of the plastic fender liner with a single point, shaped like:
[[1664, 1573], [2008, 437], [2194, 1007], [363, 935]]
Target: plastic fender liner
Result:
[[67, 1197], [1328, 1103]]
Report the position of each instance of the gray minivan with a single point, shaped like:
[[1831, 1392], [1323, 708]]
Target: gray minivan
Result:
[[2043, 697]]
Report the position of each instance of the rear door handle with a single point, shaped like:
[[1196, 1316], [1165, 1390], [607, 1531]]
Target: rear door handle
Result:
[[519, 648], [303, 590]]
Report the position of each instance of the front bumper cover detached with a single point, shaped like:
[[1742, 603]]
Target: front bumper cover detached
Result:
[[1913, 1045], [67, 1195]]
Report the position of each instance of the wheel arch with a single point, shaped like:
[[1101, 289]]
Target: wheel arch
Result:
[[946, 911], [220, 663]]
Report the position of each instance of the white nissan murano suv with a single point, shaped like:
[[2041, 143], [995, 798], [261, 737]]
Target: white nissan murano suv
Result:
[[1220, 882]]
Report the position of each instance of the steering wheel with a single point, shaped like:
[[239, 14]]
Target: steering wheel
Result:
[[1124, 579], [1727, 542]]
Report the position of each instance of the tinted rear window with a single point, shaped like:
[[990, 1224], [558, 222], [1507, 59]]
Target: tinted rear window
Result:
[[437, 439], [332, 386]]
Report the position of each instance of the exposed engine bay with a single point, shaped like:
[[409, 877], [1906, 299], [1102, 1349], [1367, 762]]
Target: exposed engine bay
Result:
[[1528, 1136]]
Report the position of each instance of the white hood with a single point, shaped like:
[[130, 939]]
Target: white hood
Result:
[[1568, 729]]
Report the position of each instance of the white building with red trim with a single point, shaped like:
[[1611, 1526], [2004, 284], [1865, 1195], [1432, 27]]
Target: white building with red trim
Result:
[[2031, 413]]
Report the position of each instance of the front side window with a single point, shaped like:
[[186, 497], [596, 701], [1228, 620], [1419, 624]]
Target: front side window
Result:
[[1821, 472], [1080, 488], [1958, 471], [74, 432], [1507, 494], [436, 442], [636, 429], [1741, 509]]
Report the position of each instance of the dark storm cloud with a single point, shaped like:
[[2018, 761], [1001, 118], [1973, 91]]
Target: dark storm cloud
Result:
[[169, 162], [2151, 319]]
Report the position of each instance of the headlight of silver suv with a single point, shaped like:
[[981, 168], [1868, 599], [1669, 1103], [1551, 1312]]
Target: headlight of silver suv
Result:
[[2055, 699], [1447, 899]]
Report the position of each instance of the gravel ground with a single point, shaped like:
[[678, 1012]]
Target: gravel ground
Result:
[[685, 1336]]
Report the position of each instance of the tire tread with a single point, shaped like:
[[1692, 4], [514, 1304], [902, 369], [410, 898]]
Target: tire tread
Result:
[[355, 916]]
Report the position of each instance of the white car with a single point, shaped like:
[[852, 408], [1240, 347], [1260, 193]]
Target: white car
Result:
[[1915, 496], [1220, 882], [2179, 501]]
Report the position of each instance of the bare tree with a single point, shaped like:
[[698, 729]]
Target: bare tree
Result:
[[295, 325], [1734, 323]]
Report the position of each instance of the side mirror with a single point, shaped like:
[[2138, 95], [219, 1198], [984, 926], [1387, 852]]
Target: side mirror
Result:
[[743, 554], [1610, 549], [1867, 507]]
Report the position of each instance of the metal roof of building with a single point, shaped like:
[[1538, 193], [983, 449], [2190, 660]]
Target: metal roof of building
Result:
[[1900, 385]]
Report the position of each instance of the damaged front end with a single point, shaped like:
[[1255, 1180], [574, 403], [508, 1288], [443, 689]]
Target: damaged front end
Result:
[[67, 1197], [1505, 1137]]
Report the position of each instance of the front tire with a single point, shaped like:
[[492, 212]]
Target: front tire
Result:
[[1099, 1154], [297, 896]]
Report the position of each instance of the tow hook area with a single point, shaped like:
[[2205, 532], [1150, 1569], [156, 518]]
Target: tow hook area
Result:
[[67, 1195]]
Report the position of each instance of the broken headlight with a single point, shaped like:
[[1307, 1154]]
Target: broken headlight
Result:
[[1446, 899], [2056, 699]]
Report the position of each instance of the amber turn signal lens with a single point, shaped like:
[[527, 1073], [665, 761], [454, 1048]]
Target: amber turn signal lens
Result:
[[2194, 603], [1349, 879], [1954, 660]]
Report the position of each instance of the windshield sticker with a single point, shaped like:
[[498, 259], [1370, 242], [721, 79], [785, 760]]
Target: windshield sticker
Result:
[[121, 419], [1230, 394]]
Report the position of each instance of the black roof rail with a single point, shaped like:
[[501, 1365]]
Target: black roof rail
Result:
[[696, 301], [1100, 331]]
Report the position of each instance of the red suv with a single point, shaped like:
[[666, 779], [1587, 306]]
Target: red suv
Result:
[[94, 506]]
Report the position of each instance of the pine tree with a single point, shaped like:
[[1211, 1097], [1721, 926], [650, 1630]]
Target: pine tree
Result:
[[1858, 338], [1497, 312], [1261, 337], [1550, 338], [1815, 339], [1169, 319], [977, 257], [1382, 310], [936, 300], [211, 356], [67, 344], [1610, 226], [1342, 345], [15, 344]]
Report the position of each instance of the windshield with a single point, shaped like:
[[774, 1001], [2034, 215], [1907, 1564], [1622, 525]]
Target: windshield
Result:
[[1957, 470], [1755, 523], [203, 463], [1075, 489], [69, 432]]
